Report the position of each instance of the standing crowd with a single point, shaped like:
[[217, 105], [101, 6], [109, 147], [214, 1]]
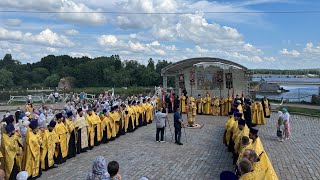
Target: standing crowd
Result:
[[38, 139], [242, 139]]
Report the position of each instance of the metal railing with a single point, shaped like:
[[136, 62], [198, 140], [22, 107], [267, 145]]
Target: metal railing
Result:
[[26, 98]]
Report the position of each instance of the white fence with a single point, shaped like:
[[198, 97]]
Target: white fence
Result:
[[26, 98]]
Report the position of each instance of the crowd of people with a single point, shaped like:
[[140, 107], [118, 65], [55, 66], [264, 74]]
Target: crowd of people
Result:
[[38, 139], [242, 139]]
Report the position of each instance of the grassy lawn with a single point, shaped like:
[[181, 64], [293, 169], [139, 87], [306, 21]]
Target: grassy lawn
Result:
[[313, 112]]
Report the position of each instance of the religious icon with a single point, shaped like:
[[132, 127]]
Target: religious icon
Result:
[[181, 81]]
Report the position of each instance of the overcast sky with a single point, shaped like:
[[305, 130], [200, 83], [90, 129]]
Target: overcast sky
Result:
[[255, 40]]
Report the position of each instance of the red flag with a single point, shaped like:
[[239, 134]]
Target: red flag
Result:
[[171, 98]]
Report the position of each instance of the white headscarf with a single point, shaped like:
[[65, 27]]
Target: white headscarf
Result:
[[23, 175]]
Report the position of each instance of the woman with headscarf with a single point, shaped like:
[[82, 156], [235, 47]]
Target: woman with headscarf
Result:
[[99, 169]]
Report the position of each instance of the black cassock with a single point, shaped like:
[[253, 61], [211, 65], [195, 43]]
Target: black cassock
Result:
[[247, 116], [79, 148], [72, 150]]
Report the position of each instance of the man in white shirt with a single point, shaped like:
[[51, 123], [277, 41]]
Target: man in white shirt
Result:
[[160, 124], [56, 96]]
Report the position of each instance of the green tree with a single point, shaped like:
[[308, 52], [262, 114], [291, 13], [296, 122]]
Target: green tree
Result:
[[6, 79], [151, 64], [39, 74], [52, 81]]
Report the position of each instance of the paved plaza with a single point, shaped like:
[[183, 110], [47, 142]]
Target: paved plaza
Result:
[[203, 156]]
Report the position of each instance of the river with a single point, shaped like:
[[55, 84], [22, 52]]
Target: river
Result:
[[296, 92]]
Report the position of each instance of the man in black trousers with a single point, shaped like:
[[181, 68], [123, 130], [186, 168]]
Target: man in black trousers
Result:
[[178, 124], [160, 118]]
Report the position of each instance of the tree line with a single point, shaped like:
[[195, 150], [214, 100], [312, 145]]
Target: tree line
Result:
[[83, 71], [287, 72]]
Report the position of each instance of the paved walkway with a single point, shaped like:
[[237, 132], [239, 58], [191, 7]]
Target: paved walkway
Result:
[[204, 156], [297, 158]]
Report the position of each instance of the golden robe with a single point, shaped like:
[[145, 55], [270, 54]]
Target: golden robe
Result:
[[61, 131], [144, 110], [207, 105], [32, 154], [91, 125], [257, 146], [222, 107], [70, 127], [136, 118], [242, 149], [237, 142], [157, 99], [126, 117], [267, 168], [29, 108], [252, 176], [254, 113], [229, 128], [260, 120], [199, 105], [81, 123], [192, 112], [112, 118], [182, 106], [151, 112], [49, 140], [266, 108], [9, 150], [97, 123], [235, 130], [149, 109], [117, 121], [215, 107], [105, 124]]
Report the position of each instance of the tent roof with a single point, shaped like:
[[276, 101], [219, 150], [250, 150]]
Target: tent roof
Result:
[[178, 66]]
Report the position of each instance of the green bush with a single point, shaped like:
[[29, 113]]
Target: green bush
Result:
[[52, 80]]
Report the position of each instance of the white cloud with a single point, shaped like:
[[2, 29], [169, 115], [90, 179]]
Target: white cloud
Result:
[[79, 54], [71, 32], [196, 29], [108, 40], [133, 36], [143, 6], [292, 53], [51, 50], [60, 6], [133, 46], [310, 48], [85, 18], [12, 22], [45, 37], [155, 43], [10, 35]]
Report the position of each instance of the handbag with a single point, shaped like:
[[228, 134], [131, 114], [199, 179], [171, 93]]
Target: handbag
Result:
[[279, 133]]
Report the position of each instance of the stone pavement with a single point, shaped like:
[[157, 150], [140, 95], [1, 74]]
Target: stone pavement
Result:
[[203, 156], [298, 157]]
